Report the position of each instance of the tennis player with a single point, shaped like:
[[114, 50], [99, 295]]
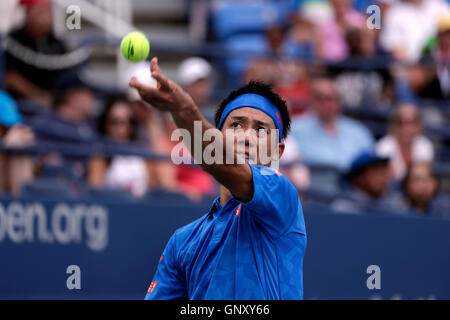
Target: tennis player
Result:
[[251, 243]]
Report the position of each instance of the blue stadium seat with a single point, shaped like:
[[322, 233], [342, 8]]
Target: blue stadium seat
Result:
[[235, 17], [241, 49]]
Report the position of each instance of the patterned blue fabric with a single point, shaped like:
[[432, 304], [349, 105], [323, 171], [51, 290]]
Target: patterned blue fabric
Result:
[[240, 251]]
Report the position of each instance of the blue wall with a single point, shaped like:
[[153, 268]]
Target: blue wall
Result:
[[117, 247]]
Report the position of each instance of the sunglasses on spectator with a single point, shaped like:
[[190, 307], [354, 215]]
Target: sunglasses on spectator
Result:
[[402, 122], [119, 121]]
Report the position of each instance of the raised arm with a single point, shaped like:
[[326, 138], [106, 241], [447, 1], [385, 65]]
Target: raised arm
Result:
[[170, 97]]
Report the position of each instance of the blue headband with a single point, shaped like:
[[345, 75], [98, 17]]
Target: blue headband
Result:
[[255, 101]]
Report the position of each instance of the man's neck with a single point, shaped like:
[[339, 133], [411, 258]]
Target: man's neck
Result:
[[225, 195]]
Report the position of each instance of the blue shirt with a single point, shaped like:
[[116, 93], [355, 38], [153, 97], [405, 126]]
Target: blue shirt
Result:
[[242, 251], [317, 146]]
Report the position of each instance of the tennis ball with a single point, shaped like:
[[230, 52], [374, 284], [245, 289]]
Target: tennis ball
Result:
[[135, 46]]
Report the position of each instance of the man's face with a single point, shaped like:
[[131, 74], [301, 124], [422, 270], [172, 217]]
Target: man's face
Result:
[[407, 124], [254, 135], [39, 19], [374, 180], [325, 100], [83, 101]]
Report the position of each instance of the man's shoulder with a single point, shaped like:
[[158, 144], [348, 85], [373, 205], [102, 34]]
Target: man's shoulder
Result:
[[183, 233]]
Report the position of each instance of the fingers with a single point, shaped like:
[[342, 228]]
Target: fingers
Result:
[[158, 75], [145, 91]]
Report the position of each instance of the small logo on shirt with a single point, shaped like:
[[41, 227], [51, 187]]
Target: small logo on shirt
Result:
[[238, 210], [160, 258], [152, 286]]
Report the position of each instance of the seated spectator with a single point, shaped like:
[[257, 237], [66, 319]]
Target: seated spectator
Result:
[[332, 31], [190, 180], [15, 168], [404, 143], [326, 137], [128, 173], [70, 118], [430, 79], [195, 76], [363, 79], [420, 187], [28, 77], [369, 180], [278, 68], [408, 25]]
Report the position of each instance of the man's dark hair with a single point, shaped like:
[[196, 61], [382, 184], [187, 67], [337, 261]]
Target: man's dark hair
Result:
[[267, 92]]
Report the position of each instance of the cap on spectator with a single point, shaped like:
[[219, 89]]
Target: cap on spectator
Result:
[[444, 23], [30, 3], [364, 160], [193, 69], [9, 115]]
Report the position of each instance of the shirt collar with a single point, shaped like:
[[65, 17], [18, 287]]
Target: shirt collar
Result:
[[215, 206]]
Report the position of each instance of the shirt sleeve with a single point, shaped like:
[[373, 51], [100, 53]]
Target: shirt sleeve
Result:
[[275, 203], [169, 282]]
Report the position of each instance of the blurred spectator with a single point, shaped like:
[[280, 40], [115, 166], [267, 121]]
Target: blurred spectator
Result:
[[188, 179], [363, 79], [68, 122], [195, 76], [431, 77], [70, 118], [332, 31], [326, 137], [7, 8], [404, 143], [408, 25], [420, 187], [291, 164], [129, 173], [369, 180], [288, 76], [15, 168], [30, 51]]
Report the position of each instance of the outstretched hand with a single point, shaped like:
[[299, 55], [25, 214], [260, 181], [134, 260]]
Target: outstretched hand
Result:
[[167, 96]]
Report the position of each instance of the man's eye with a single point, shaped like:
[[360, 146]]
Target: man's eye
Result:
[[236, 125], [262, 130]]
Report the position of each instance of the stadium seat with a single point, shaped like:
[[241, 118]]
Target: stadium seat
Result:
[[235, 17]]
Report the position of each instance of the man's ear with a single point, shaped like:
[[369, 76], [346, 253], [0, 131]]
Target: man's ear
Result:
[[276, 157]]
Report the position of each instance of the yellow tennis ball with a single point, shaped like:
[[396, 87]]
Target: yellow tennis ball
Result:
[[135, 46]]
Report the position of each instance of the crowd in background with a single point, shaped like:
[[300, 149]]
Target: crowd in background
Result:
[[361, 100]]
